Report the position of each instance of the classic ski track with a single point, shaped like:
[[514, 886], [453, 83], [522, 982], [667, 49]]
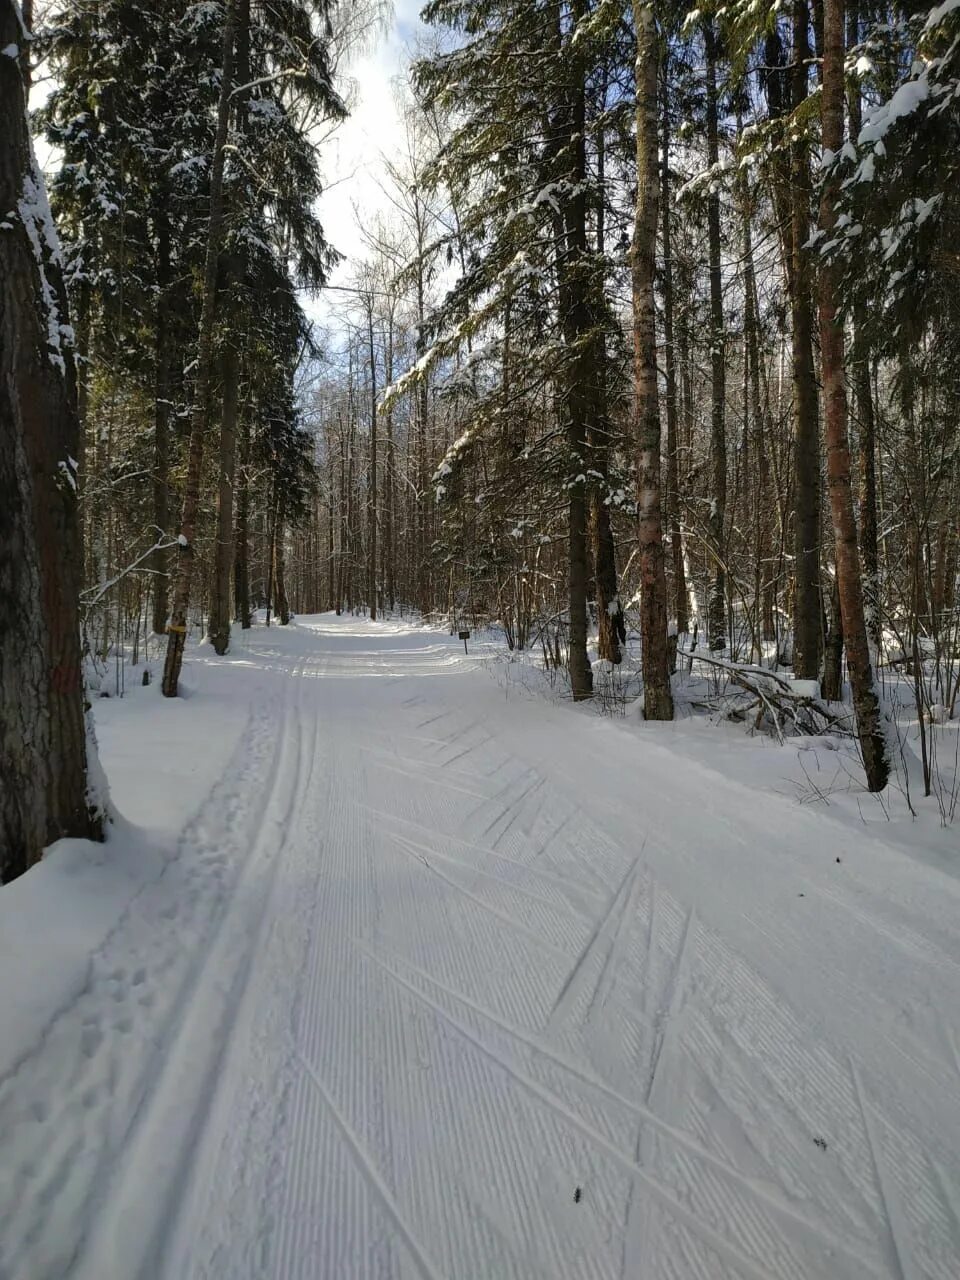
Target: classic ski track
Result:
[[225, 1106], [112, 1040], [240, 752], [176, 1079]]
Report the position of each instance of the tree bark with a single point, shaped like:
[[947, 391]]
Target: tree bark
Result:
[[43, 747], [576, 321], [177, 629], [807, 608], [865, 700], [611, 627], [280, 572], [670, 389], [717, 612], [219, 620], [388, 524], [657, 695], [161, 421], [241, 568], [372, 496]]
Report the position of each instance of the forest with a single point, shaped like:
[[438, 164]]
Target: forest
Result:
[[654, 337], [479, 640]]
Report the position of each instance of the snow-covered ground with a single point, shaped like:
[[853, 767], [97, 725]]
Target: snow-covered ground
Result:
[[384, 973]]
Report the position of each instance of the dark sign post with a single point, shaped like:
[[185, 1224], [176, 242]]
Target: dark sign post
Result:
[[464, 636]]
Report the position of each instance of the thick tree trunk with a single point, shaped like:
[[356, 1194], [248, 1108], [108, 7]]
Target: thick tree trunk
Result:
[[717, 613], [657, 695], [807, 605], [219, 620], [865, 700], [43, 749], [201, 393]]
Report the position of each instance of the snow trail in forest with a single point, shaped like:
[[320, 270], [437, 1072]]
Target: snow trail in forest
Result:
[[440, 984]]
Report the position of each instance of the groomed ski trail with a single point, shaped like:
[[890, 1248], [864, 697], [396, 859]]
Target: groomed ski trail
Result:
[[483, 990]]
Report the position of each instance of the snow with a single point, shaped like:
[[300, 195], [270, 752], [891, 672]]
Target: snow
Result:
[[905, 100], [33, 209], [939, 12], [384, 973]]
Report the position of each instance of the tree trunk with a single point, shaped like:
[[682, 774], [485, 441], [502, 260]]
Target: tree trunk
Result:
[[832, 683], [657, 696], [611, 627], [201, 392], [372, 496], [272, 521], [865, 700], [670, 389], [43, 747], [807, 608], [161, 428], [863, 395], [717, 613], [576, 320], [241, 568], [219, 621], [280, 572], [388, 523]]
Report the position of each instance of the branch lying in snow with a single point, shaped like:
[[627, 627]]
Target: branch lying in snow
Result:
[[96, 594], [775, 697]]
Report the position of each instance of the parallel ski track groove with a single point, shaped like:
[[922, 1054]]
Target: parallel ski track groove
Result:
[[147, 1112]]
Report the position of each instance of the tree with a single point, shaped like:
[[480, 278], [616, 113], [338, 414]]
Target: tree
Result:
[[177, 627], [865, 698], [44, 789], [657, 697]]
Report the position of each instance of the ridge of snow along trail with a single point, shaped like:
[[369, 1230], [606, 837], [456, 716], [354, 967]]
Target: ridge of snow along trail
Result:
[[384, 975]]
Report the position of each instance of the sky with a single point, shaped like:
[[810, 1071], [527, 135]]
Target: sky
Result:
[[351, 158]]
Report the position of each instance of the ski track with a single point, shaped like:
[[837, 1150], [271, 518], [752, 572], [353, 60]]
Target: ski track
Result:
[[425, 964]]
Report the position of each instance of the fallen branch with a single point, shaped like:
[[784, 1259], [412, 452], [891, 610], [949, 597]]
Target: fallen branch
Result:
[[774, 697]]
